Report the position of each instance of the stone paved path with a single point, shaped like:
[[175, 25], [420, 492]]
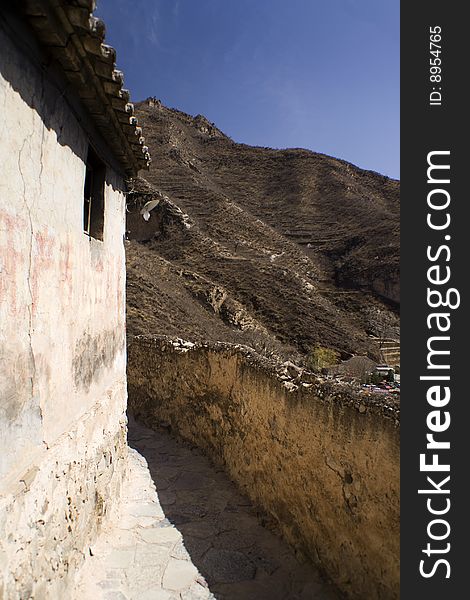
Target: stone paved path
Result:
[[140, 555], [195, 538]]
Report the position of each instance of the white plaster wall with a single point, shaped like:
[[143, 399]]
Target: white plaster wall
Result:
[[62, 302]]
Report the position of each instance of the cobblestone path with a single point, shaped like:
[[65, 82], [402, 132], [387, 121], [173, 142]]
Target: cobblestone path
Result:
[[200, 538]]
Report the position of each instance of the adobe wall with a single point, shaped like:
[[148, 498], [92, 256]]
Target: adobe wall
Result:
[[320, 459], [62, 337]]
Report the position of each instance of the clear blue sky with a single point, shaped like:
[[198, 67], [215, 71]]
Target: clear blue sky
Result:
[[318, 74]]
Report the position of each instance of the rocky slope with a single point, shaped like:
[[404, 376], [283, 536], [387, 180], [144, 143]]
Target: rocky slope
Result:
[[281, 250]]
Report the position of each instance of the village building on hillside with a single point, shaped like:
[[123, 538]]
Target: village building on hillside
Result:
[[69, 142]]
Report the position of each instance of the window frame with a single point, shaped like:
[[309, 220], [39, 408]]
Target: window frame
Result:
[[94, 196]]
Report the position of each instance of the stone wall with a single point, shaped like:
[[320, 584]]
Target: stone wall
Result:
[[62, 337], [54, 509], [322, 460]]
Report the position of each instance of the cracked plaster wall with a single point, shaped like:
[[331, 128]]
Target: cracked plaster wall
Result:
[[62, 336], [326, 469]]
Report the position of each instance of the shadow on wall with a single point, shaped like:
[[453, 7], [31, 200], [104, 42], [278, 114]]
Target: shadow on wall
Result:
[[34, 76], [237, 556], [37, 78]]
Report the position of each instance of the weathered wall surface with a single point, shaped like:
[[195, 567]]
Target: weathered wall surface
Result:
[[323, 463], [62, 338], [53, 510]]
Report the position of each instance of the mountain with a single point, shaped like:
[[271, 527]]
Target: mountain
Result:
[[281, 250]]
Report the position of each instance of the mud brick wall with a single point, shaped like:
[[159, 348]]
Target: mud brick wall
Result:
[[323, 463]]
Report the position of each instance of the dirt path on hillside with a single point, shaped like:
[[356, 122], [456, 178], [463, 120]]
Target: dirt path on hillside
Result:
[[239, 558]]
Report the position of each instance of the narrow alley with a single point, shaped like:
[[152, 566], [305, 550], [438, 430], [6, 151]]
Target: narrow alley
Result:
[[197, 537]]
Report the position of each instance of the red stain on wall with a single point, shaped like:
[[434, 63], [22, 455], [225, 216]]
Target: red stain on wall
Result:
[[14, 260], [66, 266], [43, 255], [32, 268]]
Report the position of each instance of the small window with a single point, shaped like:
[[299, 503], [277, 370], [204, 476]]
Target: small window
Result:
[[93, 196]]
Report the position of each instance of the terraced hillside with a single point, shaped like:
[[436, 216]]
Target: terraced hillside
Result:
[[281, 250]]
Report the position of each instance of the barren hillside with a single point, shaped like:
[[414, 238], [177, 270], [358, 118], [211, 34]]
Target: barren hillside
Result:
[[280, 250]]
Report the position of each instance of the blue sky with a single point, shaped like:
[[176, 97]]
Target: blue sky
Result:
[[317, 74]]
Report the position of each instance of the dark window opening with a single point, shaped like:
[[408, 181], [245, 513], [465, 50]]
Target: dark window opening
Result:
[[93, 196]]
